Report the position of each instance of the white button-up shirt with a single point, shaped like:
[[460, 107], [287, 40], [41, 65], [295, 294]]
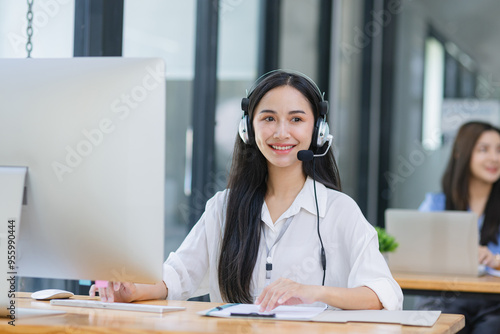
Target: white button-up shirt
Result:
[[351, 247]]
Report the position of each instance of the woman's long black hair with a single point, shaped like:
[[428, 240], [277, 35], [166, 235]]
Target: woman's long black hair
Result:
[[247, 189], [456, 178]]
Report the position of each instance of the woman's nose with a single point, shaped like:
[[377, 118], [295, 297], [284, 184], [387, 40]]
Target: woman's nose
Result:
[[281, 130]]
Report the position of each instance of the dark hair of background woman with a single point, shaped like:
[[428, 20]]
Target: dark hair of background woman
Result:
[[456, 178], [247, 189]]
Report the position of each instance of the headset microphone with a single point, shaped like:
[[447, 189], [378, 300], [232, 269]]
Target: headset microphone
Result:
[[308, 155], [305, 155]]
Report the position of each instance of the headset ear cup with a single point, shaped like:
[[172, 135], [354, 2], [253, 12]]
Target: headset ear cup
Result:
[[321, 132], [243, 129], [244, 126], [321, 128]]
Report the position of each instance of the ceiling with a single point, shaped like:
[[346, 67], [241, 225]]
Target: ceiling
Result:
[[474, 26]]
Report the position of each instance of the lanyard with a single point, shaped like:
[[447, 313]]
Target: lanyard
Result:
[[269, 260]]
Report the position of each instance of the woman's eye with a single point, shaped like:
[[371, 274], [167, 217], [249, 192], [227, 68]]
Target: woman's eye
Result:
[[269, 119], [296, 119]]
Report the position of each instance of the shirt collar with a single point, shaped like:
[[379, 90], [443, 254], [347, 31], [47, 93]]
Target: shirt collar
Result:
[[304, 200]]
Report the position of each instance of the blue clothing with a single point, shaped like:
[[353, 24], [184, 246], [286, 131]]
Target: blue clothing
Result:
[[437, 202]]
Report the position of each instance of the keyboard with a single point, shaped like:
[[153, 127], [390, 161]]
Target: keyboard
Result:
[[116, 306]]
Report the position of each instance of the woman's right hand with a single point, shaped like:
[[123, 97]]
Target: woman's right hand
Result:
[[487, 258], [115, 292]]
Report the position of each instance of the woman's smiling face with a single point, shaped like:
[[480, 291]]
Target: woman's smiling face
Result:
[[485, 159], [283, 124]]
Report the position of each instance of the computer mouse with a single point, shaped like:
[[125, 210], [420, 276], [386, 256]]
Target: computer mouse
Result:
[[481, 270], [48, 294]]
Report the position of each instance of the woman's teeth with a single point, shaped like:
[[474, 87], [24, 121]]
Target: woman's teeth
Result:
[[281, 148]]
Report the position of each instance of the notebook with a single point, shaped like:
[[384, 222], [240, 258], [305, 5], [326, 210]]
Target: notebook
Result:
[[443, 243]]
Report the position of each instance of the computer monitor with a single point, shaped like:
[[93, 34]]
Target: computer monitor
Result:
[[91, 134]]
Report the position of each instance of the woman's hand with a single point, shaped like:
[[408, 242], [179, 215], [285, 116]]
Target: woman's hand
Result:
[[286, 292], [115, 292], [129, 292], [487, 258]]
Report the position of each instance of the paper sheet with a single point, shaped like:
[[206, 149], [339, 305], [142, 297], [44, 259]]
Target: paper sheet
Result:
[[493, 272], [411, 318], [321, 314], [281, 312]]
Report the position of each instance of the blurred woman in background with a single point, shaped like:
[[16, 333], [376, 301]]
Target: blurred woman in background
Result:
[[471, 183]]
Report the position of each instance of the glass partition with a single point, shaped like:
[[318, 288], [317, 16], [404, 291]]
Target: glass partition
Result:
[[166, 29]]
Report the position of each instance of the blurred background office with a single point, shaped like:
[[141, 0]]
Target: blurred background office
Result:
[[400, 76]]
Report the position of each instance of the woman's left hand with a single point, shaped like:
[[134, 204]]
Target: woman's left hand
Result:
[[286, 292], [486, 257]]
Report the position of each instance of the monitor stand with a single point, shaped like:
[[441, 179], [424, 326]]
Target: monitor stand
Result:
[[12, 181]]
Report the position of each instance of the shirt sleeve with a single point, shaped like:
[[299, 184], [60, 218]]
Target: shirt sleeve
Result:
[[369, 268], [185, 270], [372, 271]]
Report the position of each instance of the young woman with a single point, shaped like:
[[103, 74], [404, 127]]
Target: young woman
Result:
[[471, 183], [260, 241]]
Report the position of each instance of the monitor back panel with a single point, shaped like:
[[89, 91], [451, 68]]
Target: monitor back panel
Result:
[[433, 242], [92, 133]]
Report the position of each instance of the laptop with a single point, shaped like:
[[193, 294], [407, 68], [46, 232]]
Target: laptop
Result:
[[442, 243]]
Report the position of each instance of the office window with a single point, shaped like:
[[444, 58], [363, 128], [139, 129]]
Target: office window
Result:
[[53, 27], [299, 36], [461, 73], [451, 76], [433, 94], [166, 29], [236, 72]]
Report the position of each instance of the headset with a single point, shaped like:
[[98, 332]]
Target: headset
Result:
[[321, 129]]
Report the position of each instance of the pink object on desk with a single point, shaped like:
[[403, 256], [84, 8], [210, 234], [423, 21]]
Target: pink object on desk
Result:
[[101, 284]]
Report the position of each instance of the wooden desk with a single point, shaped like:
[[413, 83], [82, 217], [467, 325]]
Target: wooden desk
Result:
[[484, 286], [82, 320]]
